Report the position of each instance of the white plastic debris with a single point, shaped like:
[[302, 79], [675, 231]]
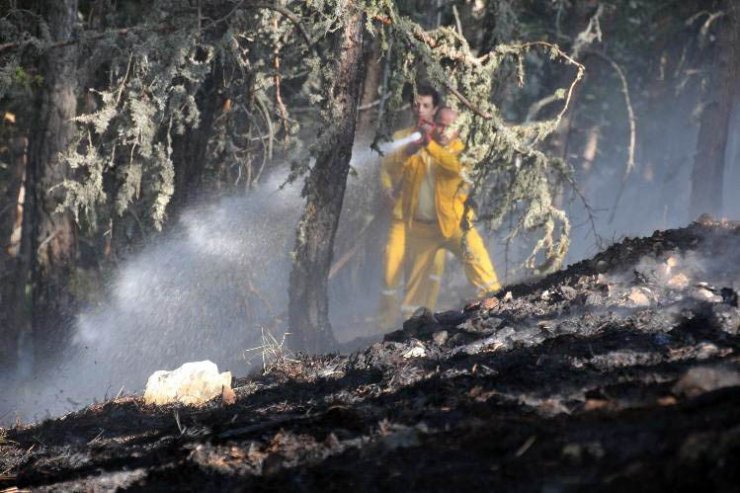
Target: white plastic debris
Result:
[[192, 384], [415, 352]]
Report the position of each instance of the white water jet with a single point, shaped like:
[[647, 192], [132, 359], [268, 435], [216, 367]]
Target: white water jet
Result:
[[398, 144], [203, 291]]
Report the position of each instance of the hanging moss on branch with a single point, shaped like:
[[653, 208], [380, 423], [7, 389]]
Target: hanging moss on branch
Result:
[[510, 174], [155, 78], [157, 66]]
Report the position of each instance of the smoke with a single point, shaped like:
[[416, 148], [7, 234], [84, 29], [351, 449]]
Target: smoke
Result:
[[655, 195], [202, 292], [206, 290]]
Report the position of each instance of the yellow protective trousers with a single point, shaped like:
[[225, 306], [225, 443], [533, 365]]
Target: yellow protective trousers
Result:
[[424, 242], [395, 261]]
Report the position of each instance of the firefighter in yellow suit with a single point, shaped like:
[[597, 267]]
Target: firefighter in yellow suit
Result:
[[395, 259], [433, 203]]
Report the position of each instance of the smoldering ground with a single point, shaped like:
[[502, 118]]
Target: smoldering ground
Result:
[[568, 384]]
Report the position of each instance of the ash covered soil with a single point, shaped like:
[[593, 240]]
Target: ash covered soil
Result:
[[620, 372]]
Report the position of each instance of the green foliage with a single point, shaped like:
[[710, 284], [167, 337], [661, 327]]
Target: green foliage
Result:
[[15, 80], [23, 79]]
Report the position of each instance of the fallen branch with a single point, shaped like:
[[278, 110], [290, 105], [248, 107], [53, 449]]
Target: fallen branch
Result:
[[537, 106], [586, 37]]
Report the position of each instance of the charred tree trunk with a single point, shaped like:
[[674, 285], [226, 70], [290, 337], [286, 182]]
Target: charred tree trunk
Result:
[[709, 161], [308, 311], [11, 292], [50, 247]]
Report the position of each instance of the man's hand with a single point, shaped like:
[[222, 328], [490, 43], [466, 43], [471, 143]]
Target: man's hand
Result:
[[426, 130]]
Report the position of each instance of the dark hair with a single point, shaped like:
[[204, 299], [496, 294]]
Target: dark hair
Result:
[[426, 89]]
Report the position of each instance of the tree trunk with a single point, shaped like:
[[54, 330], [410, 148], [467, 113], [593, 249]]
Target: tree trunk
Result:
[[50, 247], [308, 310], [189, 149], [709, 161], [11, 292], [370, 94]]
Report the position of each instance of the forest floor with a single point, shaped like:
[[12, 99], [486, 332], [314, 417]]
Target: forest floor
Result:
[[620, 372]]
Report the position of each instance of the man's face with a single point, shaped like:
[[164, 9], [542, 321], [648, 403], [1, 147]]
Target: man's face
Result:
[[424, 108], [443, 131]]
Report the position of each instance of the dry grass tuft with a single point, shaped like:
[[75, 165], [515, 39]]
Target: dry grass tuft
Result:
[[276, 357]]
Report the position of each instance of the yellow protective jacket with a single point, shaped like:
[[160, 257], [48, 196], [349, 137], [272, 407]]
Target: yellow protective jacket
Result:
[[450, 190], [391, 169]]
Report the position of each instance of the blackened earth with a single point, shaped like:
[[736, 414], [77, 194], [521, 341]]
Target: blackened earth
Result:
[[620, 373]]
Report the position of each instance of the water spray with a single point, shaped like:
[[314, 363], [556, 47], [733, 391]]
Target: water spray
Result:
[[402, 142], [202, 291]]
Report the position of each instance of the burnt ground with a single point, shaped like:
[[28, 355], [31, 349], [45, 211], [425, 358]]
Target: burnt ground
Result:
[[620, 372]]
